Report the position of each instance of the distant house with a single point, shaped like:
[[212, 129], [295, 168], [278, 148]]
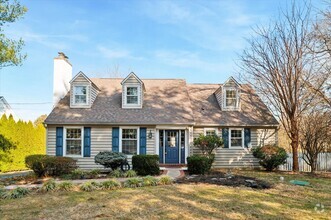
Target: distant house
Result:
[[6, 109], [154, 116]]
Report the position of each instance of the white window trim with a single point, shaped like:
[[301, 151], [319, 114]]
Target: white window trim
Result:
[[224, 98], [242, 136], [138, 139], [65, 142], [138, 95], [87, 95], [126, 95], [210, 129]]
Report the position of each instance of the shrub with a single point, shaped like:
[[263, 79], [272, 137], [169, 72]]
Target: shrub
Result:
[[150, 181], [146, 164], [18, 192], [37, 164], [89, 186], [198, 164], [165, 180], [44, 165], [130, 173], [95, 172], [65, 186], [207, 144], [133, 183], [78, 174], [50, 185], [111, 184], [116, 173], [270, 156], [110, 159]]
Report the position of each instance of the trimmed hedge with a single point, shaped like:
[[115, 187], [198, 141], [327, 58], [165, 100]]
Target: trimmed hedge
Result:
[[198, 164], [146, 164], [44, 165]]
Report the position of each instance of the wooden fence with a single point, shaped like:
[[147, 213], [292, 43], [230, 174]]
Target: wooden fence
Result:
[[323, 163]]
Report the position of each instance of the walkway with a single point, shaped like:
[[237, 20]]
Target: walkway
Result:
[[174, 173]]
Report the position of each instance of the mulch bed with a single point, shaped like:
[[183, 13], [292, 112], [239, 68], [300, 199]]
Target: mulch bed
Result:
[[225, 179]]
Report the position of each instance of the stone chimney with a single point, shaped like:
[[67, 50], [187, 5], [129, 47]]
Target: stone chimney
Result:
[[62, 77]]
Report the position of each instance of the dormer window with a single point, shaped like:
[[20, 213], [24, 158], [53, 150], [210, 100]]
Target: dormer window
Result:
[[231, 98], [80, 95], [131, 95], [132, 92]]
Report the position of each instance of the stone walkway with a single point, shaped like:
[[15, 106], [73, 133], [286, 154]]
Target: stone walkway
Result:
[[174, 173]]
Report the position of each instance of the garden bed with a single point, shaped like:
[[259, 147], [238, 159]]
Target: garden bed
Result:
[[225, 179]]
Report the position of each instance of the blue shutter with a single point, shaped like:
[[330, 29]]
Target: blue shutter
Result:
[[116, 139], [59, 141], [142, 143], [225, 137], [247, 136], [87, 142], [161, 145]]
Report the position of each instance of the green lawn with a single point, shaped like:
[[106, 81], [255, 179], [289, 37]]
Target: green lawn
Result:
[[201, 201]]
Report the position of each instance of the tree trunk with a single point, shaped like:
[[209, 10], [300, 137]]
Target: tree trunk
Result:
[[294, 142], [295, 146]]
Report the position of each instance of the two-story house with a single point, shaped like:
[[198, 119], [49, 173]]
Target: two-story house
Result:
[[154, 116]]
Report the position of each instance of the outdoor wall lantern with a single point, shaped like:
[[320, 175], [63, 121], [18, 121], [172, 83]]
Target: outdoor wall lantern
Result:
[[150, 135]]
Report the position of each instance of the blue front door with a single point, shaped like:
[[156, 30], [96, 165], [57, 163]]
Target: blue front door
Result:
[[171, 146]]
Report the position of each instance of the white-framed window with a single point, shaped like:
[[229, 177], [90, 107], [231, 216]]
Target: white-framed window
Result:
[[231, 98], [129, 143], [73, 141], [80, 95], [210, 131], [236, 137], [132, 95]]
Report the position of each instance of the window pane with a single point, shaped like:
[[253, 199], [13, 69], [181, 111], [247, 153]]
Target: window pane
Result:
[[74, 133], [129, 146], [231, 102], [210, 132], [80, 90], [236, 138], [132, 99], [79, 99], [132, 91], [129, 134], [230, 94], [74, 147], [236, 142]]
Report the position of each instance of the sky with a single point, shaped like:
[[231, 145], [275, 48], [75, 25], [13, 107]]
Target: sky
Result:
[[199, 41]]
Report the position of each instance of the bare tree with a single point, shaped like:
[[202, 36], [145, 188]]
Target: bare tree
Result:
[[315, 136], [278, 62], [321, 47]]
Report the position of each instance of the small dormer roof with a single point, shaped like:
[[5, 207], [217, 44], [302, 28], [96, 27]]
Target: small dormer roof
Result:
[[132, 74], [231, 80], [83, 75]]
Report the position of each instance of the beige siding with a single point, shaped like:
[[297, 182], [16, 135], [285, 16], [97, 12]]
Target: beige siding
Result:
[[228, 158], [51, 140], [132, 79], [151, 144], [81, 78], [101, 140], [262, 137], [94, 94]]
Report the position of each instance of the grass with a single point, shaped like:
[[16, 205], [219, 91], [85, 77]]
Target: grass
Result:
[[181, 201]]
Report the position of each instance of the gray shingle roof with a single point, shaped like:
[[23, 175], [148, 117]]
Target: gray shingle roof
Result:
[[166, 101], [206, 110]]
